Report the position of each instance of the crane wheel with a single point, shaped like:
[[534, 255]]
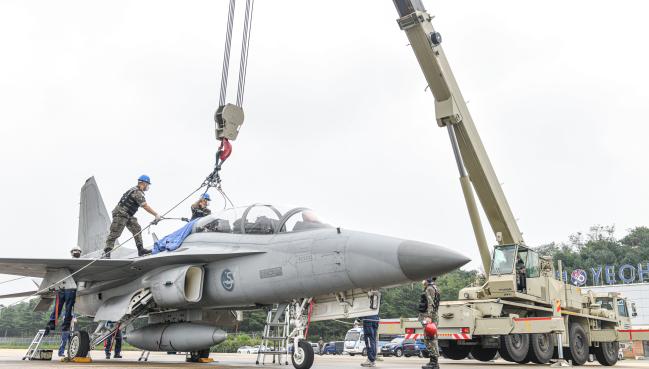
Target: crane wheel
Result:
[[578, 348], [456, 352], [514, 347], [541, 348], [483, 354], [606, 353]]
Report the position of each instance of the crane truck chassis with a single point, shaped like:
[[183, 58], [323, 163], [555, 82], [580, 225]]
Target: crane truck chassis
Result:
[[523, 310]]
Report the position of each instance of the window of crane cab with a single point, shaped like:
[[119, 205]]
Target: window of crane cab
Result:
[[605, 302], [621, 308], [503, 260], [533, 265], [301, 219]]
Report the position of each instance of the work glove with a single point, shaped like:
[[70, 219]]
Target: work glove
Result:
[[157, 220], [423, 304]]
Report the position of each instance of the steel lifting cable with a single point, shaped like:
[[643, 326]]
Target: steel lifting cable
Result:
[[245, 47], [226, 53]]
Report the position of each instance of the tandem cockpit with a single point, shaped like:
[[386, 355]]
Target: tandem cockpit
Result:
[[260, 219]]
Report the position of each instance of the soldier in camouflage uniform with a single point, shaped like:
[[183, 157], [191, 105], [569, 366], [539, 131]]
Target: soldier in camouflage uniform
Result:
[[123, 216], [199, 208], [428, 308]]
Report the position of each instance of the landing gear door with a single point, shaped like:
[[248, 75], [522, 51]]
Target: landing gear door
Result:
[[345, 305]]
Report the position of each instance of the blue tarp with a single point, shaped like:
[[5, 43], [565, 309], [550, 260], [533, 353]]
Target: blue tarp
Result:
[[174, 240]]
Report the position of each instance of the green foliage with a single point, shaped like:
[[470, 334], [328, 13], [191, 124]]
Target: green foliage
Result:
[[234, 341], [600, 247]]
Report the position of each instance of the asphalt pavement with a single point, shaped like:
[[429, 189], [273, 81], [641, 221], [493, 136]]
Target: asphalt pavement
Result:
[[11, 359]]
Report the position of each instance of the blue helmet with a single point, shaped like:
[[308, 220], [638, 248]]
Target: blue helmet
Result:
[[144, 178], [206, 196]]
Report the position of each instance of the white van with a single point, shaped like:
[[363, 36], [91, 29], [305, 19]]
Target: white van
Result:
[[355, 342]]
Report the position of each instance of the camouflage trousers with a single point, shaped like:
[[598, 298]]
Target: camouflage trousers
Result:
[[431, 343], [121, 221]]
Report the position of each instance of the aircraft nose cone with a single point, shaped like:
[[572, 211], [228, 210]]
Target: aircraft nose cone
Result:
[[420, 260]]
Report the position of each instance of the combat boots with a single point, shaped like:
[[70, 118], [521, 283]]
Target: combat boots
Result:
[[432, 364], [141, 251]]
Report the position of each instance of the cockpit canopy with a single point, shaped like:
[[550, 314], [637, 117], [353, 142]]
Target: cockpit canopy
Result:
[[260, 219]]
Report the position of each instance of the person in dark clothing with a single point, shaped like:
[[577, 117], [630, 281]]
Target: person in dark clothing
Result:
[[118, 344], [200, 207], [65, 299], [370, 328], [124, 216]]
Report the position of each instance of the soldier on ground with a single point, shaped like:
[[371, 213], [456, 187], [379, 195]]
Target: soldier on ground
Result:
[[429, 308], [123, 216], [199, 208]]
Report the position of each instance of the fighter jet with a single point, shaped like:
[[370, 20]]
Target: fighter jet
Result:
[[195, 287]]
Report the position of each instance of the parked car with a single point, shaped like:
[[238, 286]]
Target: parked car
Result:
[[330, 348], [355, 342], [246, 350], [395, 347], [316, 348], [411, 347], [379, 346]]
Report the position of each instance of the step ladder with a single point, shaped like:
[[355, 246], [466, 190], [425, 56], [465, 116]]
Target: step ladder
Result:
[[33, 347], [144, 356], [274, 342]]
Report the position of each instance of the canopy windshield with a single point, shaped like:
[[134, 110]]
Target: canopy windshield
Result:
[[260, 219]]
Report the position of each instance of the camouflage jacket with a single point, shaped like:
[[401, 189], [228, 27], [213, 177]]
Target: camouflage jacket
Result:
[[130, 202], [198, 212]]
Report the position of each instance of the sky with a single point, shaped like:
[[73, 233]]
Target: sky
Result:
[[337, 116]]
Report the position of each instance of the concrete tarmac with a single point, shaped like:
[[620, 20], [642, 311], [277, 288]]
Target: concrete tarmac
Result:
[[11, 359]]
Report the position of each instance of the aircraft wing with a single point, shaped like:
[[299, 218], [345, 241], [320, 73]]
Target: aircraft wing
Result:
[[112, 269]]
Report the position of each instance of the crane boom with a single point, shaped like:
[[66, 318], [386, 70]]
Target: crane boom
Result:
[[452, 112]]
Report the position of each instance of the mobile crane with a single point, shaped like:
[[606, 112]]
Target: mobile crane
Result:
[[522, 310]]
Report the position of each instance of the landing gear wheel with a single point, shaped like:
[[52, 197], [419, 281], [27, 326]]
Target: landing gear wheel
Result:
[[303, 355], [455, 351], [483, 354], [514, 347], [607, 353], [79, 345], [578, 347], [398, 352], [541, 348]]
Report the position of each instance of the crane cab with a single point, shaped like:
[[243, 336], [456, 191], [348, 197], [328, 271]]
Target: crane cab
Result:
[[518, 272]]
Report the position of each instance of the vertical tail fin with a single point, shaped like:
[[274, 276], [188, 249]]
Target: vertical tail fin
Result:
[[94, 221]]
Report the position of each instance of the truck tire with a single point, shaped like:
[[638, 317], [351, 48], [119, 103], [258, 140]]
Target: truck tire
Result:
[[483, 354], [607, 353], [79, 345], [578, 348], [303, 356], [514, 347], [541, 348], [456, 352]]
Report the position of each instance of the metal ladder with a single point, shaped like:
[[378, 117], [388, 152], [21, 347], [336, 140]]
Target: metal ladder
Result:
[[33, 347], [275, 339]]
